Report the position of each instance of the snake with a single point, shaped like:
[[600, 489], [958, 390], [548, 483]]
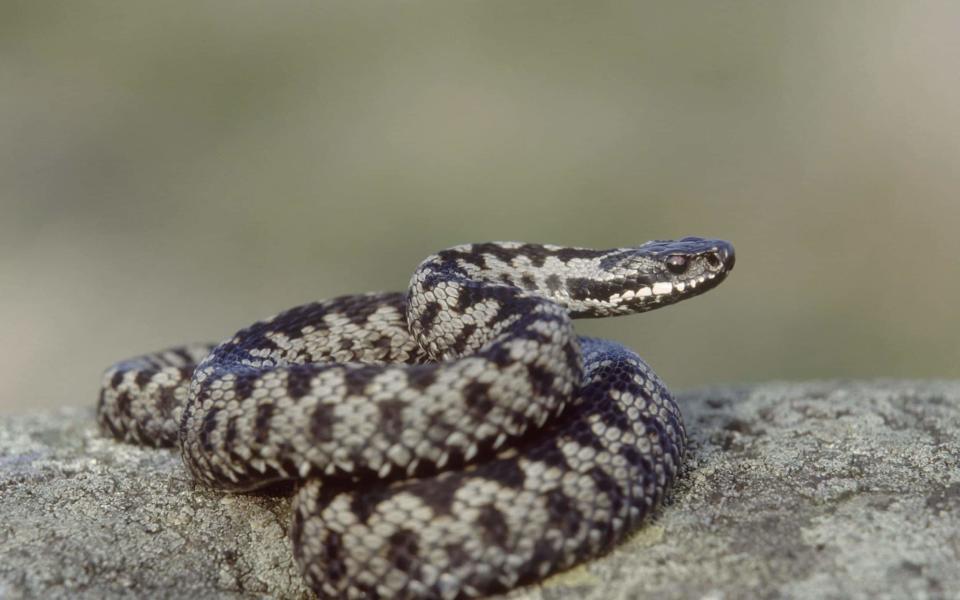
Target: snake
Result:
[[455, 440]]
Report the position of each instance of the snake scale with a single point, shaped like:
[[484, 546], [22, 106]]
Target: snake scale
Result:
[[455, 440]]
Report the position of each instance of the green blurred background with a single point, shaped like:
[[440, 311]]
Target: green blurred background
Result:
[[172, 171]]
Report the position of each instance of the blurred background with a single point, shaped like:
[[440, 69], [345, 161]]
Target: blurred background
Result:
[[173, 171]]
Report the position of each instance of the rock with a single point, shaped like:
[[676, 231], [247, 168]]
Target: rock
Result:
[[808, 490]]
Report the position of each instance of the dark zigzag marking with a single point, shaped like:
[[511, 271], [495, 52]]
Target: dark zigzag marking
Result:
[[493, 526], [116, 379], [536, 254]]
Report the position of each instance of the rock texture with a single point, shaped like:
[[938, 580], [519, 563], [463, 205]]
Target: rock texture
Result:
[[809, 490]]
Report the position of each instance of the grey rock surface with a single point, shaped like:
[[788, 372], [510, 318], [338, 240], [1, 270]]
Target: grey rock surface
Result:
[[808, 490]]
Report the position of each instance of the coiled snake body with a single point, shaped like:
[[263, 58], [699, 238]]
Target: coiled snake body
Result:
[[453, 441]]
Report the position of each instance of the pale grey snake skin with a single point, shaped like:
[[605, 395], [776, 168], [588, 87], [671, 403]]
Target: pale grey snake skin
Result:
[[452, 441]]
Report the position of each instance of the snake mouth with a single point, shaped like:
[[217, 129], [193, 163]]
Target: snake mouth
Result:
[[663, 292], [704, 282]]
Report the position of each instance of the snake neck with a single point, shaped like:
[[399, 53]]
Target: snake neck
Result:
[[585, 282]]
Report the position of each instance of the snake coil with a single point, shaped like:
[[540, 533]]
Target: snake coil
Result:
[[452, 441]]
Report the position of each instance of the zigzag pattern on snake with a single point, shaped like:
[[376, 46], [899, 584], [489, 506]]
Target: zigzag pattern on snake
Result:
[[452, 441]]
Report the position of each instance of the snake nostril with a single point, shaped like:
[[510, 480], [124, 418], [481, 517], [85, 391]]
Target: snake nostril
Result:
[[713, 260]]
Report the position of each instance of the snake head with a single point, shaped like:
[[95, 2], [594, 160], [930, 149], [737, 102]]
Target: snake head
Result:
[[654, 274]]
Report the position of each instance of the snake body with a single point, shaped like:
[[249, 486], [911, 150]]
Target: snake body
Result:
[[452, 441]]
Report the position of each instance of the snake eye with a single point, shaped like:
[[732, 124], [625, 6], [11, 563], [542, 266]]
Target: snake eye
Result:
[[677, 263]]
